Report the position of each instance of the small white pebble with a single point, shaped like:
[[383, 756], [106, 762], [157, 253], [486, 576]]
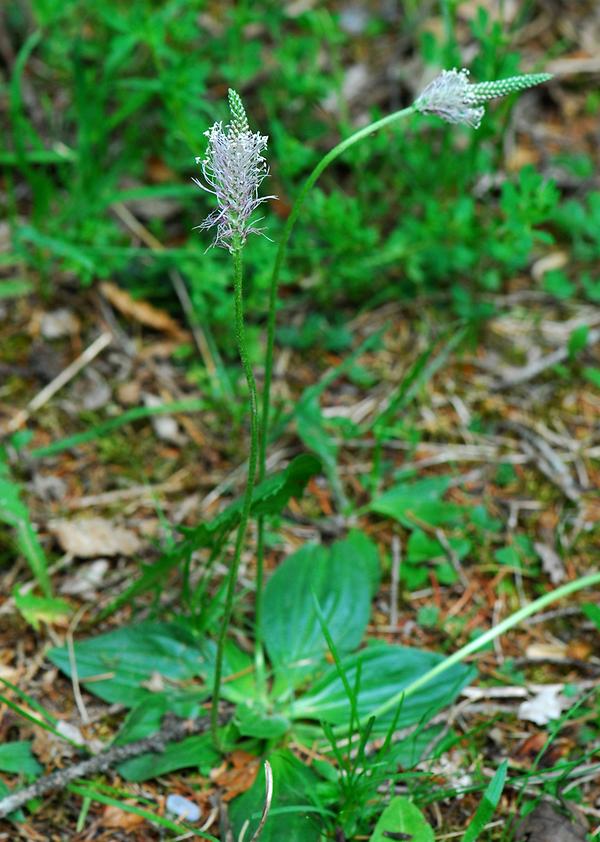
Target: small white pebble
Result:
[[183, 808]]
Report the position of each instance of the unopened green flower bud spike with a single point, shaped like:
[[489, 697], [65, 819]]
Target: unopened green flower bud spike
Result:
[[453, 98]]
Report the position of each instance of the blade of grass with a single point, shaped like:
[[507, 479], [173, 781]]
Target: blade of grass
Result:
[[487, 637], [487, 805], [35, 721], [94, 795], [136, 414]]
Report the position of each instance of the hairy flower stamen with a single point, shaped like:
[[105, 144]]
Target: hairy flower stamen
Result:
[[233, 169]]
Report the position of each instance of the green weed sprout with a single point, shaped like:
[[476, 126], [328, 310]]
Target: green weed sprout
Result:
[[451, 97], [234, 169]]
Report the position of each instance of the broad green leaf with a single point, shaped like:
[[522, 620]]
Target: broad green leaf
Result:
[[402, 816], [419, 501], [146, 717], [509, 555], [592, 612], [16, 757], [422, 547], [37, 609], [385, 670], [251, 721], [488, 804], [235, 663], [120, 661], [294, 793], [358, 549], [193, 752], [342, 579]]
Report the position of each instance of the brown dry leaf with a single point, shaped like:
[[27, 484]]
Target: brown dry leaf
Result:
[[591, 511], [546, 824], [129, 393], [579, 649], [239, 777], [159, 172], [49, 749], [117, 818], [141, 311], [92, 537], [528, 751]]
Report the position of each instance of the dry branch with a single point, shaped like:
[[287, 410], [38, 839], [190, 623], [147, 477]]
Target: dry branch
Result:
[[172, 731]]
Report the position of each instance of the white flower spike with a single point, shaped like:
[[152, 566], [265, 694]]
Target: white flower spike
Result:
[[453, 98], [233, 169]]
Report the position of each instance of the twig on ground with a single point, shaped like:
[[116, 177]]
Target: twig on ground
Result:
[[396, 562], [172, 731], [48, 392], [224, 823], [452, 557], [547, 460], [73, 665], [517, 377]]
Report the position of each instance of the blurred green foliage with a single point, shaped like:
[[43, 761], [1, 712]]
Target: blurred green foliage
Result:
[[108, 104]]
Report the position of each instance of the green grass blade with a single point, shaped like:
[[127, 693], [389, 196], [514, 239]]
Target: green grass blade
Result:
[[488, 804], [178, 827], [136, 414]]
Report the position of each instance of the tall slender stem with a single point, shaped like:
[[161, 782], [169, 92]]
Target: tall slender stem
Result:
[[491, 634], [331, 156], [240, 334]]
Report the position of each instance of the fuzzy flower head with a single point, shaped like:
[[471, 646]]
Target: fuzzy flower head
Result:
[[453, 98], [233, 169]]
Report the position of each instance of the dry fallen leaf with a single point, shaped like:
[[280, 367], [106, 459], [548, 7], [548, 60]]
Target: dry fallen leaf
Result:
[[86, 579], [238, 777], [59, 323], [142, 311], [117, 818], [542, 651], [529, 753], [93, 536]]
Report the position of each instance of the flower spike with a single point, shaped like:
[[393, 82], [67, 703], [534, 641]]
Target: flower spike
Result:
[[233, 169], [453, 98]]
